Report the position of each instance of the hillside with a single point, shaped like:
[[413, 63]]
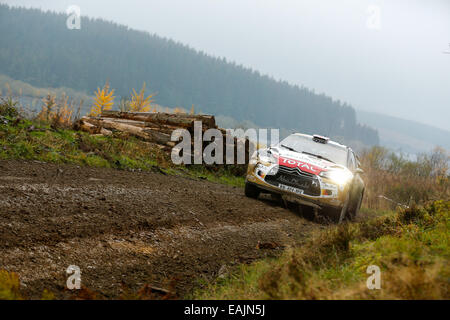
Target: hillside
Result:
[[83, 59], [405, 135], [71, 196]]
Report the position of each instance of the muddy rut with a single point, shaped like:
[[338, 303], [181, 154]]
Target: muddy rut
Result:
[[128, 229]]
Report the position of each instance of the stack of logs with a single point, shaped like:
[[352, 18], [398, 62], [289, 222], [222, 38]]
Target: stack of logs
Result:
[[157, 128]]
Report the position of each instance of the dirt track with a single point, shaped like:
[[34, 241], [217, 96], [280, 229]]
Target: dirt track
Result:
[[127, 229]]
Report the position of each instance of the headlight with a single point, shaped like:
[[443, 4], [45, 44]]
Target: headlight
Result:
[[254, 158], [338, 176]]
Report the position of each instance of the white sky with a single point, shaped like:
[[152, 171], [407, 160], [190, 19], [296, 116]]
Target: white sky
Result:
[[399, 69]]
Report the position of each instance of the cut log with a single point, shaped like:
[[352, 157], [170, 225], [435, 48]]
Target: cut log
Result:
[[142, 124], [157, 128], [143, 133], [114, 125], [88, 127], [105, 132], [180, 120], [159, 137]]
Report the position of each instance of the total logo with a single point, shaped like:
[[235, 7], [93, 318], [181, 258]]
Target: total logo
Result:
[[291, 163]]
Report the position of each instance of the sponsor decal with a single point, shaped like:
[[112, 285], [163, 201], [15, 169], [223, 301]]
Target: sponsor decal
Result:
[[304, 166]]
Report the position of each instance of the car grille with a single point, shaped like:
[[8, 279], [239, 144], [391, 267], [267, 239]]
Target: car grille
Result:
[[296, 178]]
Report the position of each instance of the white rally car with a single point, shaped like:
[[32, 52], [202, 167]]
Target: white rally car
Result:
[[312, 171]]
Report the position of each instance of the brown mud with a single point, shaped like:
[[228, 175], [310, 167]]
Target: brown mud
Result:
[[128, 229]]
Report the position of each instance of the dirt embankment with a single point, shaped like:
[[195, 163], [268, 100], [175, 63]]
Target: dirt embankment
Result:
[[128, 229]]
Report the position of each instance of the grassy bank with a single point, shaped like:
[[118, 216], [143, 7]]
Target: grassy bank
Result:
[[410, 246]]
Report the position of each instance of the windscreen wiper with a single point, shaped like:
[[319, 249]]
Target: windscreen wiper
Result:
[[317, 156], [289, 148]]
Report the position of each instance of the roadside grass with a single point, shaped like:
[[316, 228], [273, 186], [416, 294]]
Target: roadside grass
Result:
[[411, 247]]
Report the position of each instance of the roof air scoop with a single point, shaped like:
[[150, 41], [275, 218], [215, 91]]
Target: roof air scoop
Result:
[[320, 139]]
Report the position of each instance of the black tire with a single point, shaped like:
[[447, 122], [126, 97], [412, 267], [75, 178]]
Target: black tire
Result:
[[276, 197], [337, 215], [251, 191], [330, 215], [353, 212]]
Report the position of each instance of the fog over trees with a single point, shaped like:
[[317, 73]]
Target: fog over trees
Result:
[[38, 49]]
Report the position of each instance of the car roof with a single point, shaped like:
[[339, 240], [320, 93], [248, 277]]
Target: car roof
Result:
[[334, 143]]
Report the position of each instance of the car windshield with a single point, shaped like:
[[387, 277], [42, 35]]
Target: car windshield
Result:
[[308, 146]]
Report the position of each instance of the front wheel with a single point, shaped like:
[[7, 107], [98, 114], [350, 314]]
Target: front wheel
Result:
[[251, 190], [357, 205]]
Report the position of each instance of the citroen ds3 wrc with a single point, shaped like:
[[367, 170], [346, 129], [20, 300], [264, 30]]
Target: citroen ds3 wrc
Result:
[[313, 171]]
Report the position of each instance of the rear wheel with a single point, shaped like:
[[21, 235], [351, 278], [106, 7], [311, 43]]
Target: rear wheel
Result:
[[251, 190]]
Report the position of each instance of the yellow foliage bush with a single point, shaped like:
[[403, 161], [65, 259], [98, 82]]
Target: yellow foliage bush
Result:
[[140, 103], [104, 100], [58, 113], [179, 110]]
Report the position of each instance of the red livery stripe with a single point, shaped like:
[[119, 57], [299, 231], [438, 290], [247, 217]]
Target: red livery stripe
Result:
[[306, 167]]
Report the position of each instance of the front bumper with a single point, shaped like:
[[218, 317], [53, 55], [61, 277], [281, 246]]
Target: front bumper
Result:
[[329, 195]]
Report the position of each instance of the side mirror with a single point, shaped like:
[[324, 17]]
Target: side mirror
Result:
[[359, 170]]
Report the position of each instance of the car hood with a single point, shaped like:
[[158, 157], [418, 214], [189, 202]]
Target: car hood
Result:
[[304, 162]]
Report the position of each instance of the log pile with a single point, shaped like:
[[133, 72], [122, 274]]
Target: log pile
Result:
[[157, 128]]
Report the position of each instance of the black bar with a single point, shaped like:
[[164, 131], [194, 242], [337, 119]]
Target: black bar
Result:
[[225, 309]]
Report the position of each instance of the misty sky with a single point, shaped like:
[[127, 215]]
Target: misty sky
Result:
[[393, 65]]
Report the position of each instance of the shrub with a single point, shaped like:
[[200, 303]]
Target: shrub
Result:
[[8, 107], [9, 286], [104, 100], [140, 103], [57, 113], [392, 180]]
